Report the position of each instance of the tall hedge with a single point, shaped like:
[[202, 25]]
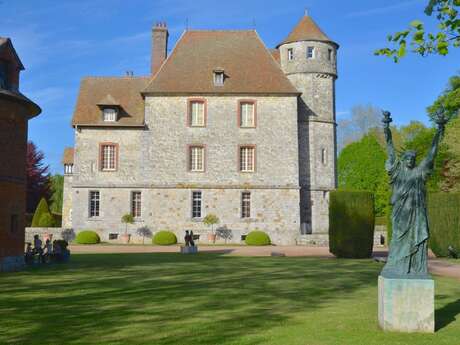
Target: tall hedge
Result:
[[351, 224], [444, 220], [42, 208]]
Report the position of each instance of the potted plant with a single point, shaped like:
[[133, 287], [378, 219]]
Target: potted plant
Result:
[[211, 220], [126, 219]]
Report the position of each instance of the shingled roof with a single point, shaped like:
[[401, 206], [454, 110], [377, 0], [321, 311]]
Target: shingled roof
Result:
[[67, 157], [307, 30], [124, 91], [248, 66]]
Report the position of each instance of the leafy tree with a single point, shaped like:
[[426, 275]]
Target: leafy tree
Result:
[[451, 171], [57, 186], [361, 166], [449, 101], [38, 177], [211, 220], [127, 219], [424, 43], [46, 221]]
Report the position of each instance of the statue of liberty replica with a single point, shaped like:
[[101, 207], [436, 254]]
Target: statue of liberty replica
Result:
[[405, 286]]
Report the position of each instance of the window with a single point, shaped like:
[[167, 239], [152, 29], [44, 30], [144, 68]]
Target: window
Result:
[[110, 115], [218, 78], [3, 75], [108, 157], [290, 52], [68, 168], [329, 54], [310, 52], [247, 114], [196, 205], [246, 205], [14, 223], [197, 116], [247, 158], [196, 158], [113, 236], [324, 156], [94, 200], [136, 204]]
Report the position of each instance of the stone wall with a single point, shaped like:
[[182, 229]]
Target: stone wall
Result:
[[57, 234]]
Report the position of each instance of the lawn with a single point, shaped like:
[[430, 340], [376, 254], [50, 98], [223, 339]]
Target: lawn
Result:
[[207, 299]]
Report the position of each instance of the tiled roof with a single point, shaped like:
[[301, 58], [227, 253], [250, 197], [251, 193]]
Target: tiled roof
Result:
[[125, 91], [248, 66], [67, 158], [108, 100], [276, 54], [306, 30]]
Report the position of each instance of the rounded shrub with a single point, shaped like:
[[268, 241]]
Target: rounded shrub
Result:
[[257, 238], [164, 238], [46, 221], [87, 237]]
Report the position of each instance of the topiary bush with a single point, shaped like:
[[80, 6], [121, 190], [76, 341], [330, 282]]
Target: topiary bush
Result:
[[42, 208], [257, 238], [46, 221], [351, 224], [444, 221], [164, 238], [87, 237]]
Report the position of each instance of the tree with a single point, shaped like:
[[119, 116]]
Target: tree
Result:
[[57, 186], [144, 232], [42, 210], [38, 177], [449, 101], [361, 166], [211, 220], [424, 43], [127, 219], [363, 119]]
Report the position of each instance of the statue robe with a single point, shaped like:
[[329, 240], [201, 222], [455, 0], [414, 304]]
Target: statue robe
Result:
[[408, 247]]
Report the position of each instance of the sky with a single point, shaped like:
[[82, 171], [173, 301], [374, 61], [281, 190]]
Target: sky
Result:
[[60, 42]]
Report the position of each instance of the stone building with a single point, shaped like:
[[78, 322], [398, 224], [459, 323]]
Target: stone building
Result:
[[222, 125], [15, 112]]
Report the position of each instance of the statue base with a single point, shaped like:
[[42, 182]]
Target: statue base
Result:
[[189, 249], [406, 305]]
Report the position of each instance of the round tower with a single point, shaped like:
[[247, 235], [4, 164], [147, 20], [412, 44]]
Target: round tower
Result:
[[309, 59]]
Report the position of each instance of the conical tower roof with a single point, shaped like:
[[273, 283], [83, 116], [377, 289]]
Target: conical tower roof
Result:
[[306, 30]]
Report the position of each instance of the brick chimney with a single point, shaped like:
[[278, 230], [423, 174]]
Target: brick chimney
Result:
[[159, 45]]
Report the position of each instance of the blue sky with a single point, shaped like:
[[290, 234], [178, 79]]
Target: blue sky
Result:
[[60, 42]]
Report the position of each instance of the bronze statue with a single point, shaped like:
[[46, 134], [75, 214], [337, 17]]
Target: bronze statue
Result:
[[408, 247]]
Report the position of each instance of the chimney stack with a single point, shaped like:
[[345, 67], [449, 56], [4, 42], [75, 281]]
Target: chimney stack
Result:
[[159, 45]]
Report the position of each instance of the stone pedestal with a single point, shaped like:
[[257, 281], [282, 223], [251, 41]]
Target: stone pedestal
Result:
[[189, 249], [406, 305]]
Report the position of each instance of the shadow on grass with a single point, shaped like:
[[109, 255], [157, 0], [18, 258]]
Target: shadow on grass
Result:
[[171, 298], [447, 314]]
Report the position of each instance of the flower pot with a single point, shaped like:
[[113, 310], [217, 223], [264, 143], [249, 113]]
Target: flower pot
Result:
[[212, 238], [125, 238]]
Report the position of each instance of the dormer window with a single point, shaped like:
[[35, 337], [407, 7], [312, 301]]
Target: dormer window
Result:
[[310, 52], [290, 53], [109, 114], [68, 169], [219, 77]]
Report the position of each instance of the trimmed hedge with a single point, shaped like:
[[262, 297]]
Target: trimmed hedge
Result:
[[351, 224], [42, 208], [87, 237], [164, 238], [444, 221], [46, 221], [257, 238]]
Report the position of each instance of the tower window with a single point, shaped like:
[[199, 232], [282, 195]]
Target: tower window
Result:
[[68, 169], [196, 204], [324, 156], [218, 77], [329, 54], [290, 53], [310, 52]]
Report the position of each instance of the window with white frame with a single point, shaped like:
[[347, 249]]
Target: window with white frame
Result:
[[247, 114], [196, 158], [246, 205], [310, 52], [110, 114], [68, 168], [136, 204], [196, 204], [218, 78], [108, 157], [247, 158], [94, 200], [290, 54], [197, 114]]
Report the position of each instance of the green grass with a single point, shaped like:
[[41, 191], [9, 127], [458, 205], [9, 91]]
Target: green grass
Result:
[[171, 299]]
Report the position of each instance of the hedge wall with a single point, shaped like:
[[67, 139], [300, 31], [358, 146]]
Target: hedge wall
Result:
[[444, 220], [351, 224]]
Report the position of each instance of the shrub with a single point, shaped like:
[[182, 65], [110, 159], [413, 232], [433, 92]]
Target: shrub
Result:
[[62, 243], [164, 238], [351, 224], [42, 208], [444, 221], [87, 237], [46, 221], [257, 238]]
